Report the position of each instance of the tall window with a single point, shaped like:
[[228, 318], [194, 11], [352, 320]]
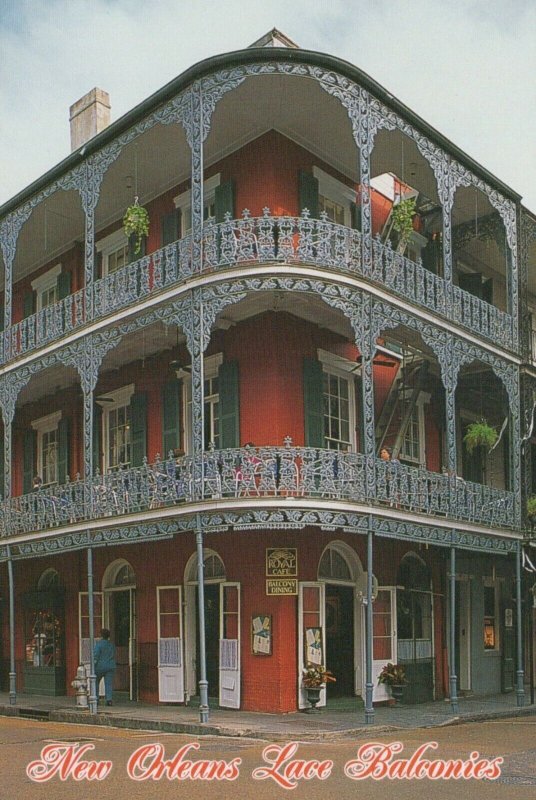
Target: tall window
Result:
[[46, 288], [334, 197], [413, 447], [336, 411], [184, 203], [212, 412], [47, 447], [212, 403], [117, 428], [114, 251], [490, 615]]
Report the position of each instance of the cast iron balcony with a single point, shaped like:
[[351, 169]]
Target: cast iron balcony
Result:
[[262, 240], [298, 472]]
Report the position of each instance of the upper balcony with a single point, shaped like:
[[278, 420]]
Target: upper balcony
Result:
[[455, 262]]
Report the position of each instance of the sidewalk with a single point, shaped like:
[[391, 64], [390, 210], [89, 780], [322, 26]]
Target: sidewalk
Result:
[[268, 727]]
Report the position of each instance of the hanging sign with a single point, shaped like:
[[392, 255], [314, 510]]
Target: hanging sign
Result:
[[281, 562]]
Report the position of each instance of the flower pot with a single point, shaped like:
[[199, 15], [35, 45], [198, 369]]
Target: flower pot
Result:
[[397, 693], [313, 697]]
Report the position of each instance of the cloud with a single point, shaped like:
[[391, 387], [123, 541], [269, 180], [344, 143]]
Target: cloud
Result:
[[466, 67]]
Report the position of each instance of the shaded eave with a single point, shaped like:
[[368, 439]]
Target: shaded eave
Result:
[[239, 58]]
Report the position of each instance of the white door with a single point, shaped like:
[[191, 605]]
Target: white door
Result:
[[383, 638], [84, 653], [170, 644], [229, 645], [311, 633]]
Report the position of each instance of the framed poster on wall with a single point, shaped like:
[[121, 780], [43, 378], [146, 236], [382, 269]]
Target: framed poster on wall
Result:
[[261, 635]]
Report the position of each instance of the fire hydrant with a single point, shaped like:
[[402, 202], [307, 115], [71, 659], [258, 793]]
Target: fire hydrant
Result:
[[80, 684]]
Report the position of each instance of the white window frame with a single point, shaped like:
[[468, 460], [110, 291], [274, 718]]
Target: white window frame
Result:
[[41, 426], [183, 202], [338, 192], [422, 400], [343, 368], [110, 244], [491, 583], [44, 283], [120, 397], [211, 365]]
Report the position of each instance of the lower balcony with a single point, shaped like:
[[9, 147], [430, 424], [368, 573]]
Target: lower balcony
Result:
[[256, 473]]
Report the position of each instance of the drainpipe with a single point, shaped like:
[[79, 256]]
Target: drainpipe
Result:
[[369, 687], [12, 672], [452, 637], [520, 690], [203, 683], [93, 699]]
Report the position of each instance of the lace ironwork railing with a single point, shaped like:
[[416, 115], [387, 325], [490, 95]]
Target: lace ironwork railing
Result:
[[120, 289], [258, 240], [286, 239], [257, 472]]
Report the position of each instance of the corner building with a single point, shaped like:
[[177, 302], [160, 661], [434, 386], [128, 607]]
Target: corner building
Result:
[[227, 390]]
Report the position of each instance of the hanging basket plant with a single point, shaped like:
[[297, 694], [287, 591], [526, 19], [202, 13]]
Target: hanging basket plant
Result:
[[136, 221], [531, 508], [402, 214], [480, 434]]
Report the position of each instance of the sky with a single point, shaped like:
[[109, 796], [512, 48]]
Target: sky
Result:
[[468, 67]]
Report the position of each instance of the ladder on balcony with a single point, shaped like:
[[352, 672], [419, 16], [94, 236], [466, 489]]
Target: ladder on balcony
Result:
[[420, 380], [413, 373]]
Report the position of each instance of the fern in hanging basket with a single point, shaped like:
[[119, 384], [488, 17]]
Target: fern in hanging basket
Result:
[[402, 215], [136, 221], [531, 508], [480, 434]]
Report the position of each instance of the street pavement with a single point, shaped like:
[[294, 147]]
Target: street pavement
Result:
[[139, 764]]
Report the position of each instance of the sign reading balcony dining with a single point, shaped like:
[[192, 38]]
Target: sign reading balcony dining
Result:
[[281, 562], [281, 586]]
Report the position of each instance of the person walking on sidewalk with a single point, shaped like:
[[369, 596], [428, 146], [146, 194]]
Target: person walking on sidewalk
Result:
[[104, 655]]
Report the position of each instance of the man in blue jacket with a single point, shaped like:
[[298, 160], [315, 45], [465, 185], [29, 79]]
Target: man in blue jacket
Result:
[[104, 655]]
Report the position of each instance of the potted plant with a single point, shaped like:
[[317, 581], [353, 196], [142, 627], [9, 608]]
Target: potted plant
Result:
[[136, 221], [313, 679], [480, 434], [394, 676], [402, 215], [531, 509]]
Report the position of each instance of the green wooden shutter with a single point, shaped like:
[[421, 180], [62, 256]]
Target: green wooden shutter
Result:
[[355, 215], [308, 193], [229, 405], [97, 265], [2, 316], [2, 471], [171, 402], [313, 402], [63, 450], [170, 227], [138, 428], [97, 438], [132, 255], [64, 285], [224, 200], [29, 304], [28, 460]]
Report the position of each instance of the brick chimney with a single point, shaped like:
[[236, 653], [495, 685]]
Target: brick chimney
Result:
[[89, 116]]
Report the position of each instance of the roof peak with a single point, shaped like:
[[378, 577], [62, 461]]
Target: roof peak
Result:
[[274, 38]]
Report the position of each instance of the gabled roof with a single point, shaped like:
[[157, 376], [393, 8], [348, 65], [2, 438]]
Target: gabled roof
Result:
[[274, 38]]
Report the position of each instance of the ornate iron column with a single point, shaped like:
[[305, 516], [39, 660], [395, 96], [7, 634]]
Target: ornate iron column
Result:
[[520, 690], [452, 633], [367, 345], [93, 697], [369, 686], [203, 683], [12, 672]]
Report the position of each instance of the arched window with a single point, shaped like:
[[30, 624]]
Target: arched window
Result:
[[334, 566], [49, 581], [213, 567]]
